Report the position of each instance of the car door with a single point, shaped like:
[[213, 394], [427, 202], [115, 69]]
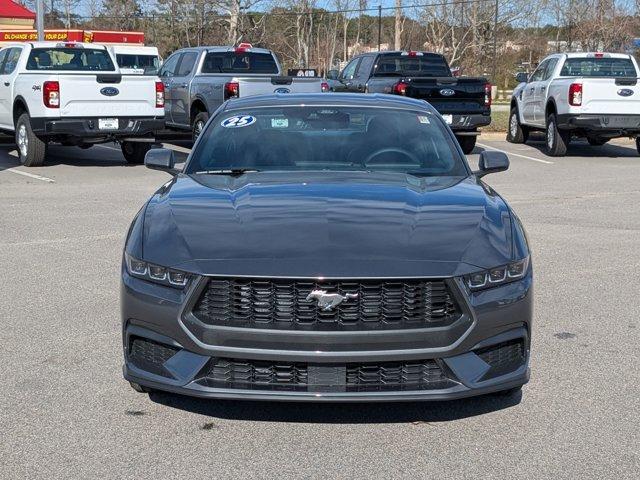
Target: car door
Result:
[[540, 94], [347, 75], [359, 83], [5, 92], [167, 72], [180, 97], [529, 93]]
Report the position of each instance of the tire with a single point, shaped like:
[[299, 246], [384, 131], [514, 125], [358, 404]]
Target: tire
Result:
[[516, 133], [597, 142], [134, 152], [31, 150], [557, 140], [638, 144], [199, 122], [467, 143]]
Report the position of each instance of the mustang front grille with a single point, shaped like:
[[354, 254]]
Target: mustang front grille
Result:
[[350, 377], [150, 355], [285, 304]]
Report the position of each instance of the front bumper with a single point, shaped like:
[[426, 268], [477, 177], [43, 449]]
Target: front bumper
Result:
[[89, 127], [496, 317], [603, 125]]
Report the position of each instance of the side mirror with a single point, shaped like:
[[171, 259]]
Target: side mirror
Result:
[[332, 75], [161, 159], [522, 77], [491, 162]]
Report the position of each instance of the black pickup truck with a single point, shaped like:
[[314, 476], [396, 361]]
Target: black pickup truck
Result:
[[464, 103]]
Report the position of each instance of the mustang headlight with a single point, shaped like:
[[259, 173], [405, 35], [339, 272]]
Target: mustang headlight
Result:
[[156, 273], [496, 276]]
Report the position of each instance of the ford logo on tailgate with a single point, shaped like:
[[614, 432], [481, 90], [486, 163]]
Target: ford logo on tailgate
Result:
[[109, 91], [447, 92], [282, 90], [625, 92]]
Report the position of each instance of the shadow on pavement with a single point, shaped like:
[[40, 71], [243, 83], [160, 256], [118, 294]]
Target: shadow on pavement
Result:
[[360, 413], [581, 148]]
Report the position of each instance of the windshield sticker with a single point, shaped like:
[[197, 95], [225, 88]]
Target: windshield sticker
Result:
[[238, 121], [423, 119], [279, 123]]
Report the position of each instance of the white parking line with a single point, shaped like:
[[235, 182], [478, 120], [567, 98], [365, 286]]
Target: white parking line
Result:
[[176, 148], [107, 146], [515, 154], [30, 175]]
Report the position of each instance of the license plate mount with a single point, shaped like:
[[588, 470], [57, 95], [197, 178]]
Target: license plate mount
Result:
[[108, 124]]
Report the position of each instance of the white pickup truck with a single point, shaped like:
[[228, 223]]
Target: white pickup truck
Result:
[[74, 94], [592, 95]]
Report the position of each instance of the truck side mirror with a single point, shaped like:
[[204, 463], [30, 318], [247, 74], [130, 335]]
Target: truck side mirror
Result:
[[161, 159], [333, 74], [491, 162], [522, 77]]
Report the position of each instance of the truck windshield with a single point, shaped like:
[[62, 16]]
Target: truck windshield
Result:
[[598, 67], [69, 58], [240, 62], [147, 64], [426, 65], [293, 138]]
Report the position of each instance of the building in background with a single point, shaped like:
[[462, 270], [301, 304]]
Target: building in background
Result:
[[15, 17]]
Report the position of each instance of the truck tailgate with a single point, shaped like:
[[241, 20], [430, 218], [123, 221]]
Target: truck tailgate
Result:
[[610, 95], [449, 94], [250, 86], [108, 95]]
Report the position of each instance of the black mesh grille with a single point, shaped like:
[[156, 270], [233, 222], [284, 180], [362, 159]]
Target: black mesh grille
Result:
[[352, 377], [503, 358], [282, 303], [149, 355]]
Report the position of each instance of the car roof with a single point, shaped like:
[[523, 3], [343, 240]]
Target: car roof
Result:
[[221, 49], [330, 99]]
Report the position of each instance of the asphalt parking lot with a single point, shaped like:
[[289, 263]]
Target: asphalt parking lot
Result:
[[65, 410]]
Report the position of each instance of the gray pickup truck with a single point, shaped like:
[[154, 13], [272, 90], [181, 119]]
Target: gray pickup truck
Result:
[[198, 80]]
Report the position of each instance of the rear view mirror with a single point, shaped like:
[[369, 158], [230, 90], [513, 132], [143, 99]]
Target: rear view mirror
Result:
[[492, 162], [160, 159], [522, 77]]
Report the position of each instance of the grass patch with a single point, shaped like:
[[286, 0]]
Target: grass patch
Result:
[[499, 122]]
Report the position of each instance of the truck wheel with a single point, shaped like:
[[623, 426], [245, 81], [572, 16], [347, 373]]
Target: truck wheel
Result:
[[198, 124], [638, 144], [467, 143], [134, 152], [597, 142], [31, 149], [517, 133], [557, 140]]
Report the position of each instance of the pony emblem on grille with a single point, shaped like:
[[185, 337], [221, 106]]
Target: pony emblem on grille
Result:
[[328, 301]]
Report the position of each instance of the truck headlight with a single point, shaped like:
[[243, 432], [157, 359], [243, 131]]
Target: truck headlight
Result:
[[156, 273], [496, 276]]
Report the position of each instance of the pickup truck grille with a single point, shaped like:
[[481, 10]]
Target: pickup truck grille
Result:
[[351, 377], [282, 304]]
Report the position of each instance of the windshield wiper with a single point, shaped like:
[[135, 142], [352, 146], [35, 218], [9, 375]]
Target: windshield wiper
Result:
[[228, 171]]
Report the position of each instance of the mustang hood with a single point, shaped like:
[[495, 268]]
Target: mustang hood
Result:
[[329, 224]]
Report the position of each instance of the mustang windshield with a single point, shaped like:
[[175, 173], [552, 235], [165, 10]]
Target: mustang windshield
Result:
[[327, 138]]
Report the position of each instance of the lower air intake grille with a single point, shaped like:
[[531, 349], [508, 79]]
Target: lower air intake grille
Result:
[[150, 355], [503, 358], [351, 377], [368, 304]]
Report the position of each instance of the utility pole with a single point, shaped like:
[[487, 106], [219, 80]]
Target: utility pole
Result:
[[40, 19], [495, 44], [397, 44], [379, 25]]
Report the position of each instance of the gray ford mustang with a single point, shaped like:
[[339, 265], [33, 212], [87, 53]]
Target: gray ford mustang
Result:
[[327, 247]]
